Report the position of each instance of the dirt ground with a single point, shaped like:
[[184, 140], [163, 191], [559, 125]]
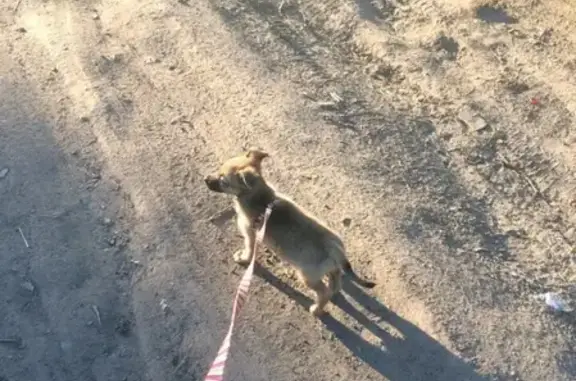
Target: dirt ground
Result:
[[438, 136]]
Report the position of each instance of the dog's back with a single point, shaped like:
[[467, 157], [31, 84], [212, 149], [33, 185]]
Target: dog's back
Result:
[[301, 239]]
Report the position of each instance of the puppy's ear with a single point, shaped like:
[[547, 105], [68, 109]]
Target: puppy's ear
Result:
[[256, 154], [249, 179]]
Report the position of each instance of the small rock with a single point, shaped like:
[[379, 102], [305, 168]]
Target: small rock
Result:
[[499, 136], [3, 173], [123, 327], [328, 106], [472, 120], [517, 87], [164, 305], [346, 222], [151, 60], [95, 16], [28, 286], [448, 44], [112, 241], [517, 233], [380, 71], [447, 136], [107, 221], [546, 35], [84, 119], [21, 30]]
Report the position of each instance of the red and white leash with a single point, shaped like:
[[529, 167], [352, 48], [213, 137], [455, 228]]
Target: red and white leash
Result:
[[216, 372]]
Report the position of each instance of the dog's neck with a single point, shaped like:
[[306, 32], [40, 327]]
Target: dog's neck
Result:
[[254, 203]]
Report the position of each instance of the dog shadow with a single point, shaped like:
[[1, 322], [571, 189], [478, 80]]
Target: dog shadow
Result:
[[410, 354]]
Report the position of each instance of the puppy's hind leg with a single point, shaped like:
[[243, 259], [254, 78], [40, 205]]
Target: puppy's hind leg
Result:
[[322, 292], [334, 282], [244, 256]]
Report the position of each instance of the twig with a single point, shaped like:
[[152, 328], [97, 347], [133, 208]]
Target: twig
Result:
[[336, 97], [16, 341], [537, 192], [280, 7], [222, 216], [9, 341], [97, 313], [17, 6], [184, 361], [23, 238], [533, 185]]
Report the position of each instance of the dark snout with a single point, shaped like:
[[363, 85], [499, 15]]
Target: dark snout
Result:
[[213, 183]]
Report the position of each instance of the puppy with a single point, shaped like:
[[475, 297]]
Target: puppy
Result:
[[291, 233]]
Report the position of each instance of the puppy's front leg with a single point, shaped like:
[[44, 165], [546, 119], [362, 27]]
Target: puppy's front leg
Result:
[[244, 256]]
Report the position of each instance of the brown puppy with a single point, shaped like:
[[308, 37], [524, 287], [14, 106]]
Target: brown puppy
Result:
[[291, 233]]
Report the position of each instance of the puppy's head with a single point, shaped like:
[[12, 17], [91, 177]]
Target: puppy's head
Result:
[[238, 175]]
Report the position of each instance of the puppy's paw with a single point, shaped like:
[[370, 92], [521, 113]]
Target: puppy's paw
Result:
[[316, 310], [241, 258]]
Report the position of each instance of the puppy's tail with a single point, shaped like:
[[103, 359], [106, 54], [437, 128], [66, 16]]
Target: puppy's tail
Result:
[[347, 268], [337, 252]]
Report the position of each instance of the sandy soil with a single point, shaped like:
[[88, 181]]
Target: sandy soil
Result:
[[437, 136]]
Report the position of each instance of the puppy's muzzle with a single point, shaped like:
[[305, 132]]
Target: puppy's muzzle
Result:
[[213, 183]]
